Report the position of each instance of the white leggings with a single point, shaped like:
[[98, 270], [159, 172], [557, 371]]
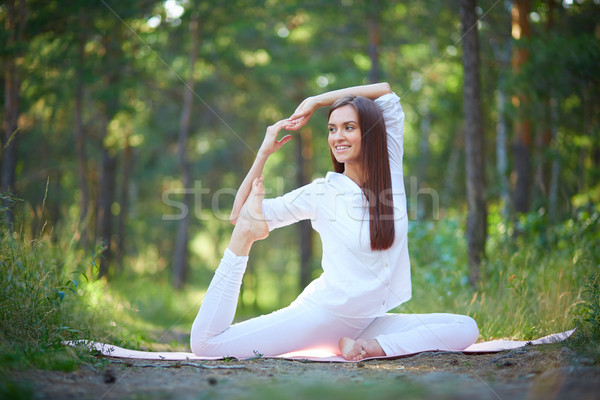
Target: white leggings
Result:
[[302, 326]]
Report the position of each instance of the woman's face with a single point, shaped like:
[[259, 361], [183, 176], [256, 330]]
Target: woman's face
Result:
[[344, 135]]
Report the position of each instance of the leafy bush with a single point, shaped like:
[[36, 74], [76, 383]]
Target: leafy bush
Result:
[[587, 319], [44, 290]]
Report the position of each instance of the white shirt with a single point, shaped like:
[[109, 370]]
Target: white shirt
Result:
[[356, 281]]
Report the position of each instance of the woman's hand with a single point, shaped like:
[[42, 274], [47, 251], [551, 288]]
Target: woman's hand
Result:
[[303, 113], [270, 144], [306, 109]]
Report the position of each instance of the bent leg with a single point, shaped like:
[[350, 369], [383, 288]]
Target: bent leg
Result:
[[400, 334], [220, 302], [219, 305], [296, 327]]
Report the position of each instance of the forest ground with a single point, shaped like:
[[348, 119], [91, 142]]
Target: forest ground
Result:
[[534, 372]]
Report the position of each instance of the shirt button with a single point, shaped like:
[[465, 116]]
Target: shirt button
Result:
[[387, 265]]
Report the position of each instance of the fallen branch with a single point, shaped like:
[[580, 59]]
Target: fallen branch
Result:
[[178, 365]]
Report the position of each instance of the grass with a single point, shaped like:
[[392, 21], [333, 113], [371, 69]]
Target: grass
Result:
[[45, 297], [587, 319]]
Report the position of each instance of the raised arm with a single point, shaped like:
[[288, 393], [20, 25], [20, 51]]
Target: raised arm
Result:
[[269, 146], [310, 104]]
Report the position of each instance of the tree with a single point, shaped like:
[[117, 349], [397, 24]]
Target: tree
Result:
[[474, 141], [373, 17], [16, 15], [180, 252], [80, 136], [502, 51], [522, 125]]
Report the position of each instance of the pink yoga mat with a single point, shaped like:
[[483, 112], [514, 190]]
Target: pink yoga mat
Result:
[[492, 346]]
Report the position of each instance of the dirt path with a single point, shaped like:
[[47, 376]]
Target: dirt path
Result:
[[537, 372]]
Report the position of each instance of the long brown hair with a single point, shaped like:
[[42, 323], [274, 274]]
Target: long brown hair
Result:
[[377, 181]]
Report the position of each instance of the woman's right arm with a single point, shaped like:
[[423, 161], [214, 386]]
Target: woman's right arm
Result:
[[311, 104], [269, 146]]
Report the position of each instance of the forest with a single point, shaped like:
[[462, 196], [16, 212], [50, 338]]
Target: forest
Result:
[[129, 125]]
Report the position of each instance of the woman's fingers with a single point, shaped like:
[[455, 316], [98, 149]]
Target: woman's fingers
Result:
[[277, 126], [299, 122], [284, 140], [270, 143], [305, 109]]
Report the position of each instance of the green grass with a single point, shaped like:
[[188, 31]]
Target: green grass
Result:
[[44, 300], [587, 320]]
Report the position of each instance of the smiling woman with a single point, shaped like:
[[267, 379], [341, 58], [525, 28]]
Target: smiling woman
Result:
[[366, 267]]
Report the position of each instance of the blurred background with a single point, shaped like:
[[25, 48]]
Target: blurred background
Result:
[[118, 116]]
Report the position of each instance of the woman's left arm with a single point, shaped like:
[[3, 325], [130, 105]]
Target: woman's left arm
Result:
[[306, 109]]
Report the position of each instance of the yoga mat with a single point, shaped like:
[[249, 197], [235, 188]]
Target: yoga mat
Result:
[[492, 346]]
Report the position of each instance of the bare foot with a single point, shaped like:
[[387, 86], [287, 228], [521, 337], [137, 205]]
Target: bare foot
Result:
[[359, 349], [251, 220]]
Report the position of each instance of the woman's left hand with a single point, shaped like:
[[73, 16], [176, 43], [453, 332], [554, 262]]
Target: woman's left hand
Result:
[[303, 113]]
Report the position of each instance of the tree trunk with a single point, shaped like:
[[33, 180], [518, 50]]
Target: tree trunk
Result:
[[423, 208], [106, 197], [586, 131], [180, 251], [474, 141], [501, 132], [522, 126], [595, 177], [373, 15], [123, 203], [107, 187], [303, 156], [80, 136], [553, 191], [15, 21], [543, 140]]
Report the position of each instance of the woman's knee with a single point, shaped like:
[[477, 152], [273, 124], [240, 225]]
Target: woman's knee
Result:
[[195, 344], [471, 330], [200, 344]]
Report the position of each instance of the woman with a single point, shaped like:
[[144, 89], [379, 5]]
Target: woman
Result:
[[360, 214]]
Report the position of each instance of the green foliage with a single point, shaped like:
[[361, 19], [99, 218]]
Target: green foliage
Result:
[[587, 319], [44, 301]]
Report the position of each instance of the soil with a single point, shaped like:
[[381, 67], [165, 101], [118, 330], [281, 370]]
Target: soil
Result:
[[533, 372]]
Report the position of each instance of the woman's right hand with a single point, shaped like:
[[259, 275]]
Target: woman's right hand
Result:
[[270, 144]]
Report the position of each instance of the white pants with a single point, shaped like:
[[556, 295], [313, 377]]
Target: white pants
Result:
[[302, 326]]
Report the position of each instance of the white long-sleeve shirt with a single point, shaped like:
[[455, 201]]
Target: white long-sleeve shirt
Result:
[[356, 281]]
